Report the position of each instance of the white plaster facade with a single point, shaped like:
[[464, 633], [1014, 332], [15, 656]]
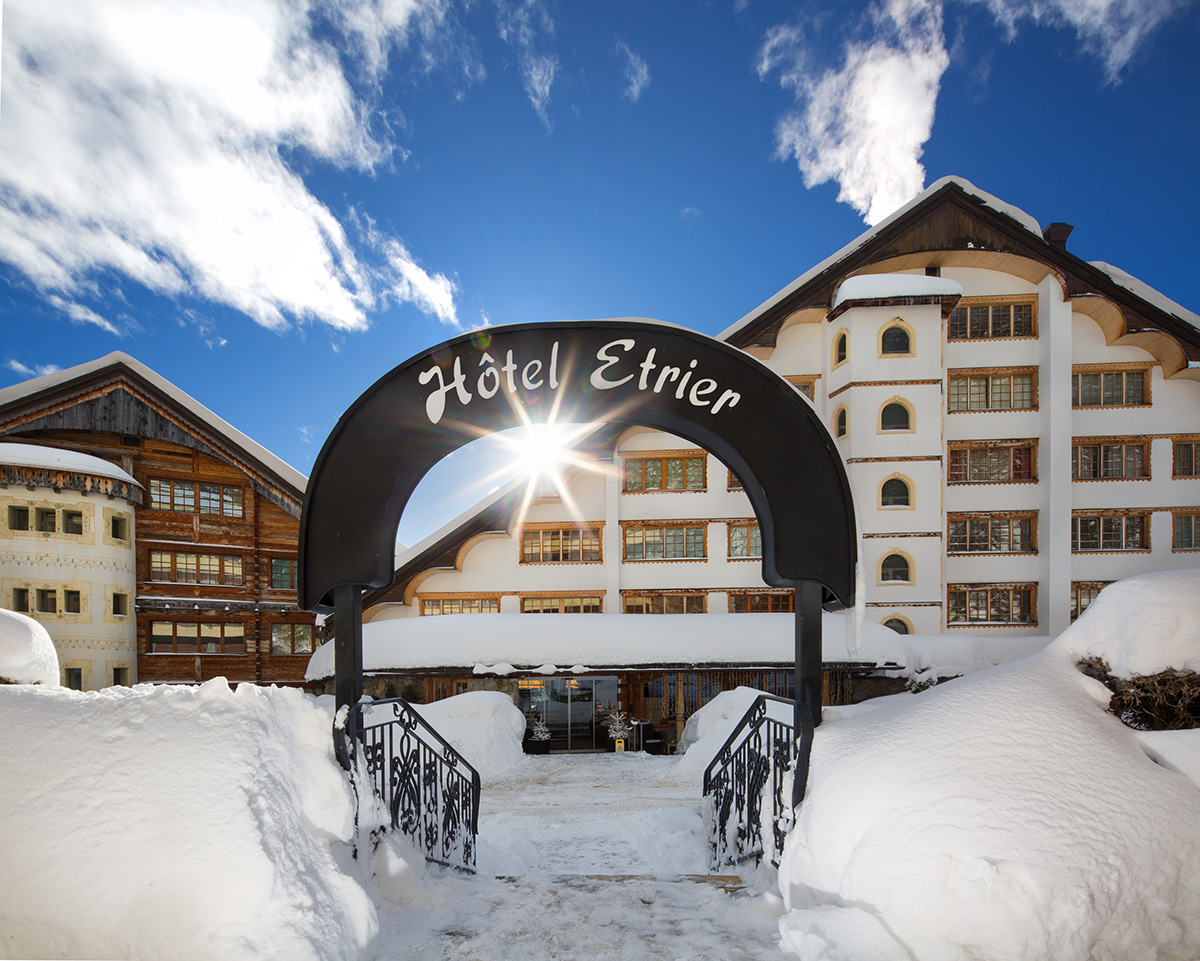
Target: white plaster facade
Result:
[[67, 559]]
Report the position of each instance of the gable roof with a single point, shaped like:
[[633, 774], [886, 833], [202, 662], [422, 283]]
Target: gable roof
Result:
[[120, 394], [954, 223]]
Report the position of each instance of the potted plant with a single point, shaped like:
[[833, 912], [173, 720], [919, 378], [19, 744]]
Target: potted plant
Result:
[[537, 737]]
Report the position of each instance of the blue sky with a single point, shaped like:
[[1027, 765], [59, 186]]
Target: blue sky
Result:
[[272, 203]]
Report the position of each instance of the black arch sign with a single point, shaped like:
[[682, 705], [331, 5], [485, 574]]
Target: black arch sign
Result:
[[632, 372]]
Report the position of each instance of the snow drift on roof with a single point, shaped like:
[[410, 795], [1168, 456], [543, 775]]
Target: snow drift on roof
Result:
[[882, 286], [51, 458], [1147, 293]]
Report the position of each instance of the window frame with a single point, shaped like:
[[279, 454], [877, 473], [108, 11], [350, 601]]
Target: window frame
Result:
[[1193, 516], [1103, 371], [988, 589], [21, 600], [903, 404], [1013, 302], [841, 338], [563, 600], [441, 600], [909, 565], [15, 513], [290, 568], [1077, 589], [228, 495], [1177, 444], [1103, 533], [292, 627], [897, 323], [1101, 460], [587, 532], [904, 621], [841, 422], [990, 374], [1011, 446], [173, 568], [751, 528], [693, 599], [989, 517], [662, 527], [909, 486], [746, 605], [664, 457]]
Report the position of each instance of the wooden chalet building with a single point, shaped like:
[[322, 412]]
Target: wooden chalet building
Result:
[[215, 532]]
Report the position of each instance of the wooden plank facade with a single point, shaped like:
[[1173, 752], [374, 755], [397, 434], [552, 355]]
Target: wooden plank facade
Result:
[[216, 533]]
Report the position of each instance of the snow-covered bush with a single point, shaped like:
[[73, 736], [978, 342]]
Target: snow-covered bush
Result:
[[539, 731], [617, 725]]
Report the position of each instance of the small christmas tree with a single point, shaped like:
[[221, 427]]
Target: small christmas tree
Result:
[[540, 732], [618, 725]]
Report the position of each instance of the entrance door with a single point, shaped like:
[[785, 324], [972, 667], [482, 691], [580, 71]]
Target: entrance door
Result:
[[573, 708]]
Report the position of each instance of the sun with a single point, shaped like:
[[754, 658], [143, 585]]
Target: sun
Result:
[[540, 452]]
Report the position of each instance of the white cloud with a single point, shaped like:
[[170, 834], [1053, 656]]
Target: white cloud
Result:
[[519, 23], [80, 314], [864, 125], [145, 140], [690, 214], [37, 370], [636, 73]]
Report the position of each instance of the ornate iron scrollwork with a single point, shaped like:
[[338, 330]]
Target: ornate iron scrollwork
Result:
[[430, 791]]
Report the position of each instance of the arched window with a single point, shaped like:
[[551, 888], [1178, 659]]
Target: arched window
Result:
[[839, 348], [897, 624], [895, 567], [839, 422], [895, 340], [895, 416], [895, 493]]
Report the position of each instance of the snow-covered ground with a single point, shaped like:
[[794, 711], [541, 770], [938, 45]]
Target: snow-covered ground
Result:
[[1004, 815]]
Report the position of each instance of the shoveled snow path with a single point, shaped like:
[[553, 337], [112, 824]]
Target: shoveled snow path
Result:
[[586, 856]]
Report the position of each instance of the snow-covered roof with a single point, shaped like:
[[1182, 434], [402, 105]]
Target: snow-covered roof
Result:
[[502, 643], [866, 237], [883, 286], [1147, 293], [284, 471], [52, 458]]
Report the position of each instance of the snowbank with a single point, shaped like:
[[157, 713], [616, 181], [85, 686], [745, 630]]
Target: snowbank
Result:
[[485, 727], [27, 655], [1141, 625], [1005, 815], [176, 822], [708, 729], [601, 640], [881, 286]]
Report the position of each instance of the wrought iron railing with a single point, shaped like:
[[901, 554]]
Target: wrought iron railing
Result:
[[757, 755], [430, 791]]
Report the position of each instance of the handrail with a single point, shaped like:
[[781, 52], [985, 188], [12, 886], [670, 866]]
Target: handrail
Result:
[[431, 792], [760, 749]]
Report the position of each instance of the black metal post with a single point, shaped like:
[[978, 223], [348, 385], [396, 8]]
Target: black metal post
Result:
[[347, 657], [809, 680]]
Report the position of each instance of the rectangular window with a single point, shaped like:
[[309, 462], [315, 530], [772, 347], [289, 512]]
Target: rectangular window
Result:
[[1187, 531], [291, 639], [18, 518], [1109, 388], [762, 602], [664, 473], [184, 496], [673, 542], [75, 678], [991, 321], [233, 570], [460, 605], [72, 522], [734, 484], [992, 464], [160, 494], [209, 569], [72, 602], [560, 605], [210, 498], [181, 497], [120, 527], [120, 605], [120, 677], [44, 520], [1186, 463], [986, 391], [656, 603], [1101, 461], [571, 545], [184, 637], [990, 534], [47, 601], [20, 599], [990, 604], [187, 568], [1109, 532], [283, 574], [745, 540]]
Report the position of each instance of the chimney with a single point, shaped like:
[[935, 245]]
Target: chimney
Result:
[[1056, 235]]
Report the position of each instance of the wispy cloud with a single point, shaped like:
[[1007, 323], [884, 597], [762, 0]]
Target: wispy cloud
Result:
[[80, 314], [37, 370], [520, 24], [690, 214], [147, 141], [864, 123], [636, 72]]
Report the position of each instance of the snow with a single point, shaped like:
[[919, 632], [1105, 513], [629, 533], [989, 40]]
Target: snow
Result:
[[54, 459], [497, 642], [882, 286], [1161, 611], [706, 731], [485, 727], [27, 655], [1146, 292], [181, 822]]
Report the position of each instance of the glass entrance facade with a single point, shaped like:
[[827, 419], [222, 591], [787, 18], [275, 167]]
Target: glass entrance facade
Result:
[[573, 708]]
